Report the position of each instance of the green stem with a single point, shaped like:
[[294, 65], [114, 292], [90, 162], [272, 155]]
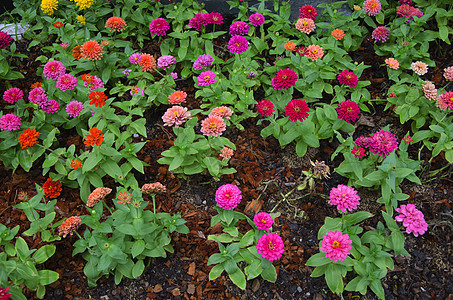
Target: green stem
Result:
[[154, 204]]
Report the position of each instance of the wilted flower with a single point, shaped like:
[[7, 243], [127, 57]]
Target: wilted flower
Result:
[[320, 169], [270, 246], [419, 67], [344, 197], [153, 188], [213, 125], [336, 245], [97, 195], [412, 219], [69, 226], [228, 196], [348, 111]]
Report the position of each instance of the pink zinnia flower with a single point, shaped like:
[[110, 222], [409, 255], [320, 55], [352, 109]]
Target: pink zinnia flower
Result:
[[13, 95], [69, 226], [270, 246], [34, 93], [222, 111], [203, 61], [380, 33], [348, 78], [363, 141], [51, 106], [4, 291], [10, 122], [94, 84], [67, 82], [265, 108], [358, 152], [419, 67], [213, 125], [412, 219], [392, 63], [305, 25], [344, 197], [215, 18], [175, 115], [445, 101], [238, 44], [199, 21], [430, 91], [165, 61], [135, 58], [153, 188], [336, 245], [382, 143], [408, 12], [226, 152], [206, 78], [228, 196], [263, 221], [408, 2], [5, 40], [284, 79], [407, 139], [372, 7], [297, 109], [159, 26], [348, 111], [74, 108], [448, 73], [174, 75], [256, 19], [308, 11], [54, 69], [239, 28], [314, 52]]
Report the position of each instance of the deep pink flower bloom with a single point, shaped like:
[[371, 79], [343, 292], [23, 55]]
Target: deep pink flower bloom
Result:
[[445, 101], [336, 245], [213, 125], [54, 69], [41, 100], [10, 122], [238, 44], [358, 152], [4, 291], [408, 2], [256, 19], [199, 21], [228, 196], [412, 219], [263, 221], [344, 197], [67, 82], [51, 106], [284, 79], [165, 61], [407, 139], [363, 141], [64, 45], [34, 93], [203, 61], [382, 143], [297, 109], [308, 11], [372, 7], [74, 108], [270, 246], [348, 111], [206, 78], [409, 12], [13, 95], [159, 26], [174, 75], [94, 84], [176, 115], [135, 58], [348, 78], [5, 40], [265, 108], [239, 28], [215, 18], [380, 33]]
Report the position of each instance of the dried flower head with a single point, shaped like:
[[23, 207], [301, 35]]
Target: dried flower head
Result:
[[320, 169], [52, 189], [336, 245], [228, 196], [69, 226], [270, 246], [97, 195], [28, 138], [153, 188]]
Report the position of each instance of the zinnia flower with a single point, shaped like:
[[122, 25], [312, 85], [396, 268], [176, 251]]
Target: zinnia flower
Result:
[[81, 19], [392, 63], [238, 44], [199, 21], [34, 93], [76, 52], [382, 143], [407, 139], [430, 91], [58, 24], [445, 101], [338, 34], [52, 189], [10, 122], [153, 188], [97, 195], [263, 221], [94, 83], [94, 137], [448, 73], [348, 78], [105, 42], [67, 82], [308, 11], [336, 245], [75, 164], [314, 52], [28, 138], [222, 111], [358, 152], [13, 95], [284, 79], [83, 4], [176, 115], [344, 197], [135, 90], [348, 111], [228, 196], [239, 28], [3, 293], [36, 84], [372, 7], [48, 6], [215, 18], [64, 46], [69, 226], [174, 75], [213, 125], [305, 25], [74, 108], [270, 246], [206, 78], [226, 152], [54, 69], [148, 63], [5, 40], [300, 50], [412, 219], [124, 198], [290, 46], [408, 12], [256, 19], [159, 26], [297, 109], [380, 33], [177, 97], [363, 141], [419, 67], [135, 58], [50, 106], [165, 61], [203, 61], [97, 98], [115, 23], [91, 50], [265, 108]]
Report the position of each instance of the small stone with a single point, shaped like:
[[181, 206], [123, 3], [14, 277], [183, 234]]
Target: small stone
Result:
[[255, 285], [299, 289]]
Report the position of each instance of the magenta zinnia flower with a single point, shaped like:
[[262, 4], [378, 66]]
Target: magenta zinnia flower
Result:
[[10, 122], [238, 44], [4, 291], [213, 125], [372, 7], [284, 79], [412, 219], [165, 61], [175, 115], [358, 152], [51, 106], [5, 40], [348, 78], [297, 109], [66, 82], [206, 78], [445, 101], [215, 18], [348, 111], [382, 143], [203, 61], [380, 33], [228, 196], [256, 19], [344, 197], [159, 26], [239, 28], [270, 246], [54, 69], [13, 95], [263, 221], [363, 141], [308, 11], [336, 245], [135, 58], [199, 21], [265, 108], [74, 108], [34, 93]]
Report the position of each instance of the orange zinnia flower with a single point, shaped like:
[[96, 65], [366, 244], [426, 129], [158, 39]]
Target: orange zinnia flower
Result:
[[87, 77], [91, 50], [148, 63], [338, 34], [76, 163], [290, 46], [52, 189], [97, 98], [94, 137], [35, 85], [177, 97], [115, 23], [76, 52], [28, 138], [58, 24]]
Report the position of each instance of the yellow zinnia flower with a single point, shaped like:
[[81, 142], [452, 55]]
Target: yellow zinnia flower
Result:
[[81, 19], [82, 4], [48, 6]]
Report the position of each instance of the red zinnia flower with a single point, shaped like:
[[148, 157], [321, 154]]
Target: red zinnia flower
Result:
[[308, 11], [76, 163], [265, 108], [94, 137], [58, 24], [358, 152], [52, 189], [348, 78], [28, 138], [97, 98], [284, 79], [348, 111], [297, 109], [87, 77]]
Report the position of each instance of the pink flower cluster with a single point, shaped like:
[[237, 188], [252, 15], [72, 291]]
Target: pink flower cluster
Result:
[[238, 44], [344, 197], [67, 82], [5, 40], [348, 78], [408, 12], [348, 111], [256, 19], [412, 219], [270, 246], [263, 221], [228, 196], [39, 97], [213, 125], [372, 7], [239, 28], [74, 108], [445, 101], [10, 122], [336, 245], [203, 61], [176, 115], [159, 26], [13, 95]]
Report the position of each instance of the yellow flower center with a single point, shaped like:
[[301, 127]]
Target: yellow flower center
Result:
[[207, 78], [214, 125], [315, 51], [335, 244], [271, 246], [176, 113]]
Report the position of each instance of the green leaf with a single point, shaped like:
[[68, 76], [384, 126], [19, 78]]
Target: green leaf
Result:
[[269, 273], [176, 162], [110, 167], [376, 287], [43, 253], [216, 271], [138, 268], [91, 162], [334, 279], [357, 217], [47, 277], [238, 279], [138, 248], [319, 259]]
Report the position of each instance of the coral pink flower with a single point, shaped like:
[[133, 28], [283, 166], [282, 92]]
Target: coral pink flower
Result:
[[372, 7], [115, 23], [213, 125], [445, 101], [238, 44], [67, 82], [222, 111], [284, 79], [74, 108], [358, 152], [408, 12], [159, 26], [199, 21], [10, 122], [177, 97], [226, 153], [270, 246], [13, 95], [336, 245], [314, 52], [308, 11], [206, 78], [265, 108], [239, 28], [382, 143], [215, 18], [430, 91], [348, 78], [448, 73], [69, 226], [228, 196], [97, 195], [348, 111], [392, 63], [153, 188], [305, 25], [344, 197], [412, 219], [338, 34], [148, 63], [124, 198], [256, 19], [92, 50], [263, 221], [380, 33], [176, 115], [54, 69], [297, 109], [419, 67]]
